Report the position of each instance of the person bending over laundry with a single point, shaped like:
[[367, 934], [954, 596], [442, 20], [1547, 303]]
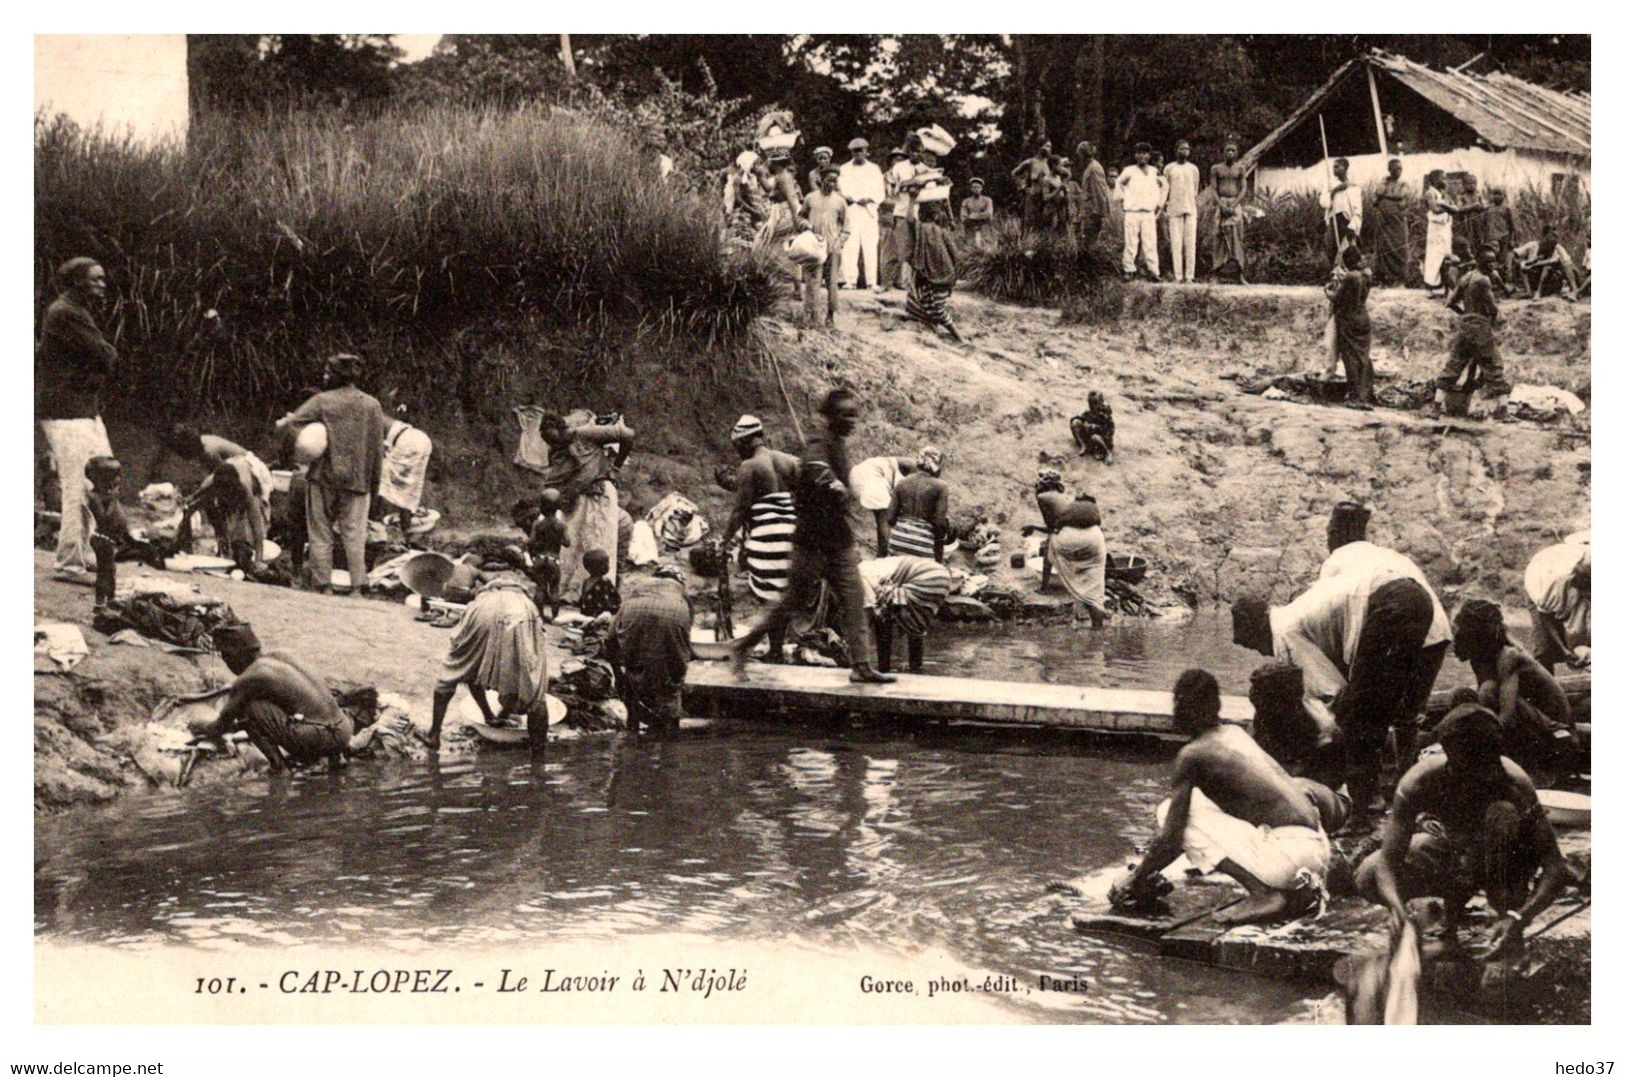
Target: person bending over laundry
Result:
[[649, 648], [918, 521], [1076, 549], [1233, 810], [210, 451], [903, 593], [230, 500], [288, 714], [1558, 585], [1365, 640], [1537, 727], [1465, 818], [499, 645]]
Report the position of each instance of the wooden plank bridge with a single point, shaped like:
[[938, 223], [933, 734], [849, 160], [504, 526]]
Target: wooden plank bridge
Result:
[[773, 690]]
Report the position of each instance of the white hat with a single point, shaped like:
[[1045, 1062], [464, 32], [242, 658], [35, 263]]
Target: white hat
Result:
[[745, 427], [746, 160]]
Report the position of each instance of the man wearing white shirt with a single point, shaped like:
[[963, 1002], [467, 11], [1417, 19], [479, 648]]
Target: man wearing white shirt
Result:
[[1141, 189], [1183, 179], [863, 186], [1369, 637], [1344, 206]]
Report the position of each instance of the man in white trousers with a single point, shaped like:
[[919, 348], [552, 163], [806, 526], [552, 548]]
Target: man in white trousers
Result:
[[863, 186], [1141, 191], [1184, 178], [74, 363]]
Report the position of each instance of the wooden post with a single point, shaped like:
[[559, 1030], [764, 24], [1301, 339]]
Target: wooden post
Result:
[[1376, 108], [567, 55]]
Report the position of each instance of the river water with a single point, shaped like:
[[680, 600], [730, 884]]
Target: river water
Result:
[[863, 837]]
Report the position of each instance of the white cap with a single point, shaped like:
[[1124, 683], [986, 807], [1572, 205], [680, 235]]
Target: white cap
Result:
[[745, 427]]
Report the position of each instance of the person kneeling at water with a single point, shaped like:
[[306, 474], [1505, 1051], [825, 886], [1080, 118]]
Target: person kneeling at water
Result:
[[288, 714], [1467, 818], [1233, 810], [903, 593], [500, 645]]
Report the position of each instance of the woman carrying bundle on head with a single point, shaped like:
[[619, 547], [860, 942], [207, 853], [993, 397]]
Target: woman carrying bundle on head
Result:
[[934, 259]]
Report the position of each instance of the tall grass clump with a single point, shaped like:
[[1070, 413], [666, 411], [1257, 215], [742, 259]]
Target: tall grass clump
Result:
[[239, 260], [1044, 268]]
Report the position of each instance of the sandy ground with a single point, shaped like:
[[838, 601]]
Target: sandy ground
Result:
[[1222, 490]]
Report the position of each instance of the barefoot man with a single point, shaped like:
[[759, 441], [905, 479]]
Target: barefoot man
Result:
[[1233, 810]]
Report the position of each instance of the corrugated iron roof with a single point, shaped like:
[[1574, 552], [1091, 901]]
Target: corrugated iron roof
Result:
[[1504, 111]]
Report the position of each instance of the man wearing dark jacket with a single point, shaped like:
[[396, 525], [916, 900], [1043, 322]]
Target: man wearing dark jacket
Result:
[[74, 363], [343, 480], [822, 550]]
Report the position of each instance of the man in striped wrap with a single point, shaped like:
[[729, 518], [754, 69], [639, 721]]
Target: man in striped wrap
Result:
[[903, 593], [765, 511], [919, 511]]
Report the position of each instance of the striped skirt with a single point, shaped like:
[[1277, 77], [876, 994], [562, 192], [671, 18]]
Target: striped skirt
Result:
[[767, 544], [912, 537], [909, 594], [928, 303]]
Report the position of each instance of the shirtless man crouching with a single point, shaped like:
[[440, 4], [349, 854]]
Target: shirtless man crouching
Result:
[[1234, 810], [288, 714], [1466, 818]]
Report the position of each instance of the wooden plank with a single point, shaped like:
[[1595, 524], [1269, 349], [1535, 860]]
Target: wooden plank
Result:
[[1013, 703]]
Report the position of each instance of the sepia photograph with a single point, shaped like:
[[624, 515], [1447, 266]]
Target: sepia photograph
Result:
[[811, 529]]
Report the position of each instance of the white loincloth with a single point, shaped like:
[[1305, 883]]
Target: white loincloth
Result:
[[1274, 855]]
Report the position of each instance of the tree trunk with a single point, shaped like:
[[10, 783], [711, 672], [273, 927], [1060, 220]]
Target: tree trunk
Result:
[[1097, 98], [567, 55], [1029, 88]]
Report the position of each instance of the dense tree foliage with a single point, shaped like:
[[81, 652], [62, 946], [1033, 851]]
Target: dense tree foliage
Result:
[[998, 94]]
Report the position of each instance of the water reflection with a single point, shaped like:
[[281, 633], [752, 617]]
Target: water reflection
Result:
[[869, 838]]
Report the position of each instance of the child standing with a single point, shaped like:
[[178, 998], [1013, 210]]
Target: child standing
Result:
[[548, 536], [107, 527]]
